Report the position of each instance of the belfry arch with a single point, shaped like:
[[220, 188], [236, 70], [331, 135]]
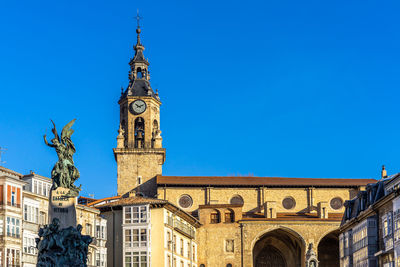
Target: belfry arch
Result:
[[280, 247]]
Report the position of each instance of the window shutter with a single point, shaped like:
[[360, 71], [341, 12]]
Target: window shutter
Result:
[[18, 196], [9, 194]]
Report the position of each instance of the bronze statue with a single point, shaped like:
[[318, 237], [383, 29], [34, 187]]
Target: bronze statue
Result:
[[64, 172]]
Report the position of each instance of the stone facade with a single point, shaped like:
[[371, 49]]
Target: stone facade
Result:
[[245, 221]]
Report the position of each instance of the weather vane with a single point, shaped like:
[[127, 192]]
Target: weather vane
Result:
[[138, 18]]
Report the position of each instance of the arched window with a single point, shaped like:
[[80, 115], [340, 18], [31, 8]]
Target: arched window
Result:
[[229, 216], [139, 132], [215, 217], [229, 265], [139, 73], [237, 200], [202, 265], [154, 132]]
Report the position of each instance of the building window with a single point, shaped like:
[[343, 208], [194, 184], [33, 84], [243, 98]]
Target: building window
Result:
[[229, 245], [97, 258], [214, 216], [230, 265], [103, 259], [13, 258], [288, 203], [13, 227], [194, 253], [1, 227], [182, 247], [139, 179], [31, 214], [229, 216], [169, 261], [174, 243], [42, 218], [169, 240], [136, 259], [89, 229], [13, 200], [29, 245], [185, 201], [237, 200], [136, 237], [35, 187], [136, 214], [336, 203], [188, 250]]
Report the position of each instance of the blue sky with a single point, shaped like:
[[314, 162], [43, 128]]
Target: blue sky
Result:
[[268, 88]]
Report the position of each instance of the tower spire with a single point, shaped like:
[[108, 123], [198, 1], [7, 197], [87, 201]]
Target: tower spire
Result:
[[138, 30], [139, 74]]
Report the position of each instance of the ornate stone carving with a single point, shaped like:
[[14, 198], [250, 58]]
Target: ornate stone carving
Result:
[[62, 247], [311, 257]]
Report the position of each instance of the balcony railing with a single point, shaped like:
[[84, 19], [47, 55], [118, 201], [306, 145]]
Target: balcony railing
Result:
[[180, 226], [13, 235], [13, 204]]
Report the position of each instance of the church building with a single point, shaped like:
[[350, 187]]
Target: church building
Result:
[[229, 221]]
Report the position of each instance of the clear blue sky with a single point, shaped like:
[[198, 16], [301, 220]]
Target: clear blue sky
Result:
[[269, 88]]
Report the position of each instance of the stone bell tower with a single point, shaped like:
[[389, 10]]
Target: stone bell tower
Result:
[[139, 152]]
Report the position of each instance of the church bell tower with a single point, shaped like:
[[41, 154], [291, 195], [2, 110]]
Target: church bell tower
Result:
[[139, 152]]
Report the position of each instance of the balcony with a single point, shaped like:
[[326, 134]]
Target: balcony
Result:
[[181, 227], [13, 204]]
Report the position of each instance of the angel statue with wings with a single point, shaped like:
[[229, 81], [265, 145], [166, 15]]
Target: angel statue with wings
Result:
[[64, 172]]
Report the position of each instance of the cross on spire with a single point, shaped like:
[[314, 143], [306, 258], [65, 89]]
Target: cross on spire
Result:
[[138, 18]]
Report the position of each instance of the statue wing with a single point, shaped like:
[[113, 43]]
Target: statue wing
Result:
[[66, 137], [54, 130]]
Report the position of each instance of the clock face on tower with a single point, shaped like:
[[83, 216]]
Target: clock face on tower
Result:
[[137, 107]]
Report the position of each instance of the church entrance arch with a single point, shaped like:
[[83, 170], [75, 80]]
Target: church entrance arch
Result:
[[278, 248], [328, 250]]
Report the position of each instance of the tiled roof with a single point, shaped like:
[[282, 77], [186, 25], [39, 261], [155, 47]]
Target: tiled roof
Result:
[[132, 200], [259, 181], [106, 199]]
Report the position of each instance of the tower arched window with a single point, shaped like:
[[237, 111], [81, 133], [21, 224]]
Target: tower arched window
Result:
[[215, 216], [139, 73], [154, 132], [139, 132], [229, 216]]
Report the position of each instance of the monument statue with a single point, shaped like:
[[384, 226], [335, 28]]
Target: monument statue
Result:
[[64, 172], [61, 243]]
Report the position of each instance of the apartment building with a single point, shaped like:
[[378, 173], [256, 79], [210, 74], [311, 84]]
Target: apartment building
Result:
[[24, 201]]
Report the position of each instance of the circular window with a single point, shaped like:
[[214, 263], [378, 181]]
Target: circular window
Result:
[[336, 203], [237, 200], [289, 203], [185, 201]]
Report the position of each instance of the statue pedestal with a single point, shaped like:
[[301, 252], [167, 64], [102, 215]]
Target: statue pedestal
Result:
[[62, 207]]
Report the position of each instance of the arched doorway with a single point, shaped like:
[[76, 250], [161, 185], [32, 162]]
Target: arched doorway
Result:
[[328, 250], [278, 248]]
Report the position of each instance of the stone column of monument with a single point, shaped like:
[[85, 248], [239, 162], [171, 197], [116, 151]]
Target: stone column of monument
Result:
[[61, 243]]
